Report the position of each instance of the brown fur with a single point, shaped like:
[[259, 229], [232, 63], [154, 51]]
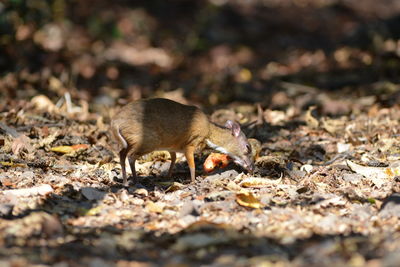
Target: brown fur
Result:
[[161, 124], [155, 124]]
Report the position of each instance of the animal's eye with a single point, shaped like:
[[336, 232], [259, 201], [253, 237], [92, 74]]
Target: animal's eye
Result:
[[248, 147]]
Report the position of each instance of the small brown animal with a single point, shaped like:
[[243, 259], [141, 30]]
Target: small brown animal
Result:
[[144, 126]]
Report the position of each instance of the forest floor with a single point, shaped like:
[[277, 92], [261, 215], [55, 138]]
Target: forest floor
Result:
[[323, 103]]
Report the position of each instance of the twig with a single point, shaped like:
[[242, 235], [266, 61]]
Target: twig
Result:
[[9, 130]]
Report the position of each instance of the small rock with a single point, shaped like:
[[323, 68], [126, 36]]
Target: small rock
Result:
[[92, 193], [6, 210]]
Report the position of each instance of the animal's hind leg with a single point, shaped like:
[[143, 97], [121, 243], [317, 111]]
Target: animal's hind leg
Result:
[[122, 158], [132, 160], [122, 153], [173, 159]]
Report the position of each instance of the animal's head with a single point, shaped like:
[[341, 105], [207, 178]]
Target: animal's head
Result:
[[239, 148]]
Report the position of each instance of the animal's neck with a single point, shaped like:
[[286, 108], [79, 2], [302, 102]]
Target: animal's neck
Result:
[[219, 138]]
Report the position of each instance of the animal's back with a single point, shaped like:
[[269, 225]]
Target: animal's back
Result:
[[155, 124]]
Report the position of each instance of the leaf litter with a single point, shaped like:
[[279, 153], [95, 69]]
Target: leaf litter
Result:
[[325, 191], [340, 198]]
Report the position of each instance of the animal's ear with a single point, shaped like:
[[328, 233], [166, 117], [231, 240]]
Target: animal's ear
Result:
[[234, 126]]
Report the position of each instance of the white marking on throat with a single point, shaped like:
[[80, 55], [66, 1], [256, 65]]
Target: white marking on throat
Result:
[[216, 147]]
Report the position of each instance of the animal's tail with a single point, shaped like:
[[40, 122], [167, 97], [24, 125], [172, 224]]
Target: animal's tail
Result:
[[118, 136]]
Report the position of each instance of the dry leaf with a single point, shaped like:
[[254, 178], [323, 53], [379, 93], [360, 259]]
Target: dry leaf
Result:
[[310, 120], [275, 117], [332, 126], [376, 172], [247, 199], [255, 147], [7, 182], [20, 143], [62, 149], [174, 187], [42, 102], [49, 139], [80, 146], [69, 149], [154, 207], [12, 164], [378, 175], [95, 211], [334, 201], [255, 182], [142, 192]]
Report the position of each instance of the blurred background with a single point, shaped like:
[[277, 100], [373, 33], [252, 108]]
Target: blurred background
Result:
[[340, 55]]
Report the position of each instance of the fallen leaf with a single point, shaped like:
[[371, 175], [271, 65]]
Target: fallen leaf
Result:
[[154, 207], [42, 102], [80, 146], [247, 199], [332, 126], [12, 164], [274, 117], [69, 149], [49, 139], [94, 211], [310, 120], [255, 182], [22, 142], [174, 187], [142, 191], [378, 175], [255, 147], [7, 182], [62, 149], [334, 201]]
